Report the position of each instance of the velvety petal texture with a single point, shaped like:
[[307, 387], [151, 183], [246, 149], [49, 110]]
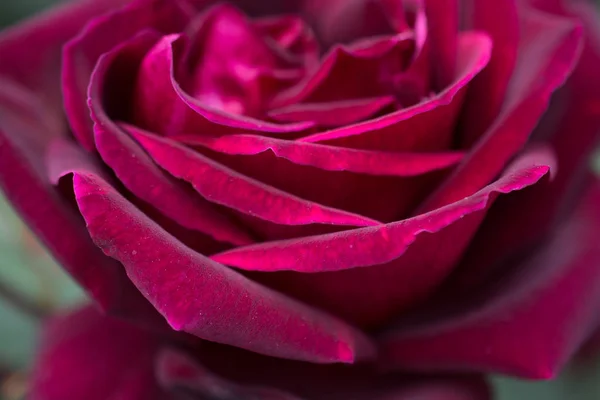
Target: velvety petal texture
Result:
[[308, 200], [555, 291]]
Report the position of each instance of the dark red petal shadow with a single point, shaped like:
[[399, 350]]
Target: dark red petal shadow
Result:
[[530, 324], [401, 265], [549, 49], [85, 355], [30, 126], [204, 298], [101, 34], [488, 90], [134, 168], [179, 371]]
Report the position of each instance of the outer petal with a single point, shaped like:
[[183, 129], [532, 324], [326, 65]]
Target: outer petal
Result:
[[400, 264], [134, 168], [29, 126], [181, 372], [530, 324], [426, 126], [84, 355], [548, 53], [102, 34], [204, 298]]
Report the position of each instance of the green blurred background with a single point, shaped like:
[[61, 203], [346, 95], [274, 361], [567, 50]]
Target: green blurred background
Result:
[[27, 269]]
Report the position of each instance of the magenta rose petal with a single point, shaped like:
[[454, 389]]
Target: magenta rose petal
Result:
[[85, 355], [549, 51], [163, 105], [136, 170], [488, 90], [427, 126], [380, 185], [442, 26], [224, 186], [333, 114], [383, 243], [530, 324], [393, 260], [30, 126], [375, 61], [102, 34], [192, 291], [330, 158], [574, 109]]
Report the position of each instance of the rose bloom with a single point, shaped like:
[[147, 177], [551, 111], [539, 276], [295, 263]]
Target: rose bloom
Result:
[[302, 199]]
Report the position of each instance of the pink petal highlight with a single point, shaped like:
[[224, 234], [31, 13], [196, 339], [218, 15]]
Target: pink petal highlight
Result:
[[224, 186]]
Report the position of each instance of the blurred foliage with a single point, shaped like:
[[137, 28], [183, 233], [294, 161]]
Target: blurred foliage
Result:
[[29, 271]]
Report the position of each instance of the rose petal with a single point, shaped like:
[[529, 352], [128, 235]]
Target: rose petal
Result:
[[30, 125], [329, 158], [427, 126], [85, 355], [538, 210], [162, 104], [550, 48], [232, 66], [376, 62], [293, 34], [135, 169], [332, 114], [201, 297], [343, 21], [529, 325], [380, 185], [224, 186], [442, 21], [100, 35], [400, 265], [488, 90]]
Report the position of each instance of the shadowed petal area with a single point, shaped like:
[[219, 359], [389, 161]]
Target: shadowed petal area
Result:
[[333, 113], [487, 92], [529, 323], [427, 126], [181, 373], [136, 170], [549, 49], [442, 23], [82, 52], [85, 355], [30, 126], [403, 261], [224, 186], [204, 298]]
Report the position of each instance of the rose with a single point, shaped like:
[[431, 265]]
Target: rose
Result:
[[319, 187]]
